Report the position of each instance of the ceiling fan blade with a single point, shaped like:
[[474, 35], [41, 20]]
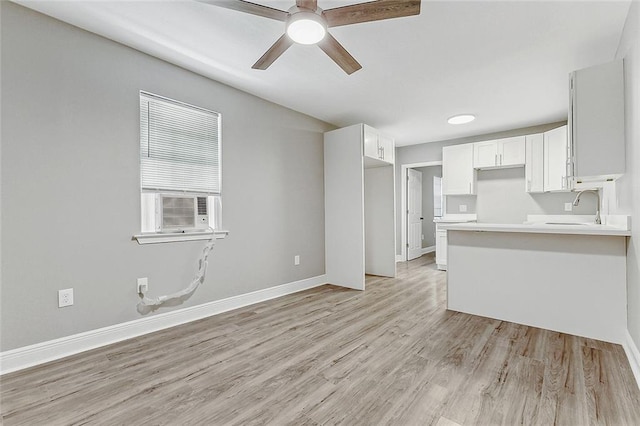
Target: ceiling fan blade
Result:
[[339, 54], [371, 11], [248, 7], [307, 4], [274, 52]]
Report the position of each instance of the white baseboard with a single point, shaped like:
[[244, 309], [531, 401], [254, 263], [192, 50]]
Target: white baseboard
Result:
[[39, 353], [633, 355], [430, 249], [425, 250]]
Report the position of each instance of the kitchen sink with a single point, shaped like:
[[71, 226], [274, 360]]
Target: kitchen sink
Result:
[[568, 223]]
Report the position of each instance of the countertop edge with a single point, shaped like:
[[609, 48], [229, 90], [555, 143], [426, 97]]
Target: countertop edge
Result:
[[537, 229]]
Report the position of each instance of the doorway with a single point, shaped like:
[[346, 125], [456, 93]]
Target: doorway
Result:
[[420, 202]]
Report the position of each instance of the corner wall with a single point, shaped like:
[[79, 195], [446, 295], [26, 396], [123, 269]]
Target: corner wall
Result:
[[70, 184]]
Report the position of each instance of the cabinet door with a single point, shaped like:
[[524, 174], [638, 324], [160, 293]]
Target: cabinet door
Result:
[[458, 175], [511, 151], [597, 119], [371, 142], [485, 154], [387, 148], [555, 159], [534, 163], [441, 248]]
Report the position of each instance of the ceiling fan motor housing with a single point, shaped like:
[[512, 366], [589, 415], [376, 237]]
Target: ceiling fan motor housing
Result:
[[305, 26]]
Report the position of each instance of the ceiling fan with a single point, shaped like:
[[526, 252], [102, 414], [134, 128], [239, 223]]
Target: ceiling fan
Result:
[[306, 23]]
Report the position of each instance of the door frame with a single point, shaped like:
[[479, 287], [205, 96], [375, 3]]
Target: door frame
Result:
[[403, 204]]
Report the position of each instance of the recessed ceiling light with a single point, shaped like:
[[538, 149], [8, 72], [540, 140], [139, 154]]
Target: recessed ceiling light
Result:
[[461, 119], [306, 28]]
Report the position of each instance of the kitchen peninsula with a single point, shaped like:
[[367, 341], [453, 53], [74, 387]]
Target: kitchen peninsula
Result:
[[568, 277]]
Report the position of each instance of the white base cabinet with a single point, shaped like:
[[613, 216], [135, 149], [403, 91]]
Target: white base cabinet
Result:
[[359, 210], [441, 249]]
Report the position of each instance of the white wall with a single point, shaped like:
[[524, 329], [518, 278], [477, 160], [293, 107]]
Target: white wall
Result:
[[629, 184], [70, 184]]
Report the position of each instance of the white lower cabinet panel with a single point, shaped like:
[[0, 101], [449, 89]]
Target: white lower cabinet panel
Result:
[[441, 250], [573, 284]]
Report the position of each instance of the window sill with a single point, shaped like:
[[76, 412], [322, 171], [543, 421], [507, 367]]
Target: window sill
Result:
[[155, 238]]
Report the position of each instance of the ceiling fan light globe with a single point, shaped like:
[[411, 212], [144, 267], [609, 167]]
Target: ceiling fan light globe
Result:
[[306, 28]]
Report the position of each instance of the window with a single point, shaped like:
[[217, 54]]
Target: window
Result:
[[180, 166]]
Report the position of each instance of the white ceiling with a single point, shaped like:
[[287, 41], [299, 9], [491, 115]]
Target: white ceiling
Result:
[[505, 61]]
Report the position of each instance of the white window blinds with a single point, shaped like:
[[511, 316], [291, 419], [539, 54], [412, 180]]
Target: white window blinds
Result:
[[179, 146]]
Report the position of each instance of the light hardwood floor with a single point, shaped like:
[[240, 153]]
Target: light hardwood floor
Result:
[[391, 355]]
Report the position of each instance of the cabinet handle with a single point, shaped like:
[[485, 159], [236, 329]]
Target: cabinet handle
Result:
[[495, 160], [469, 187], [500, 159]]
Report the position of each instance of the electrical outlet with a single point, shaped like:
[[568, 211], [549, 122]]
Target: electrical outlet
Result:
[[568, 207], [422, 237], [463, 208], [296, 259], [65, 297], [143, 285]]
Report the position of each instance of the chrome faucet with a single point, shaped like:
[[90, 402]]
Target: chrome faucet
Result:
[[593, 191]]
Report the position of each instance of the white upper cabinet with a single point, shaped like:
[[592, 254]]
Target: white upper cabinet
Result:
[[511, 151], [458, 174], [507, 152], [556, 159], [370, 142], [388, 148], [546, 166], [377, 147], [596, 122], [534, 165], [485, 154]]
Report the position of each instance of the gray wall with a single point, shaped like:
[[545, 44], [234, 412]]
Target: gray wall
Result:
[[432, 151], [70, 184], [628, 185], [428, 227], [501, 198], [453, 203]]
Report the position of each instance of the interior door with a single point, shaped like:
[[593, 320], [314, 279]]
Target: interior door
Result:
[[414, 214]]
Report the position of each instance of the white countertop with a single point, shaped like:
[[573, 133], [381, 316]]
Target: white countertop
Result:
[[540, 228], [455, 218]]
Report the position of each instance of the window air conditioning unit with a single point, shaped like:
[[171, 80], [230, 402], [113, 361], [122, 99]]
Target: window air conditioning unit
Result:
[[179, 213]]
